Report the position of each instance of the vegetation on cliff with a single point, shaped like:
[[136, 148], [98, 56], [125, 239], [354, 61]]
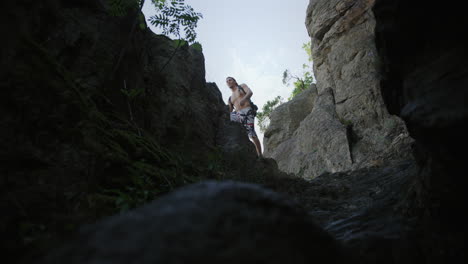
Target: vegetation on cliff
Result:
[[173, 17], [300, 83], [303, 81]]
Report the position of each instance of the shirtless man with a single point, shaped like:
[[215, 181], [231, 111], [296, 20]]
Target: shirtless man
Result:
[[240, 102]]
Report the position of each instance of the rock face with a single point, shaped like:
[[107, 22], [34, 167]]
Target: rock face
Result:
[[408, 213], [287, 118], [99, 114], [346, 63], [210, 222], [300, 153]]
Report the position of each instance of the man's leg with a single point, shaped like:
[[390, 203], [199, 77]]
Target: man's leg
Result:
[[258, 146], [250, 123]]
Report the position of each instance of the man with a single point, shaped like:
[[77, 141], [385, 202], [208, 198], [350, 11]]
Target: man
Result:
[[240, 102]]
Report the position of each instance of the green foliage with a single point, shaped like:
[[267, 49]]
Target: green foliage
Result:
[[132, 93], [263, 117], [174, 16], [308, 49], [179, 43], [142, 22], [149, 168], [197, 46], [144, 169], [119, 8], [133, 166], [300, 84], [303, 82]]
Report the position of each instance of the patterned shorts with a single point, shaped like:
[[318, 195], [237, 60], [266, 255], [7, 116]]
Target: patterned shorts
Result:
[[247, 119]]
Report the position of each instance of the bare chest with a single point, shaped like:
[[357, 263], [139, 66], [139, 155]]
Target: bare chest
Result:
[[236, 96]]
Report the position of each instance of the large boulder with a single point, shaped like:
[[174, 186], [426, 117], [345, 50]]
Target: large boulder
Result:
[[318, 145], [209, 222], [286, 118]]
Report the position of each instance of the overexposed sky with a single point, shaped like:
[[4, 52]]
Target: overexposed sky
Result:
[[253, 41]]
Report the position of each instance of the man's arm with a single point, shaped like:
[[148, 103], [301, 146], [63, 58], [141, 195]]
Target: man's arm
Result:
[[248, 94], [230, 105]]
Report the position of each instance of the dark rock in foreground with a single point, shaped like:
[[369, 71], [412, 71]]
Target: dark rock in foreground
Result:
[[209, 222]]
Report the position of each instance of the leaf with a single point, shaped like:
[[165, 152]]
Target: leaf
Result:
[[125, 92]]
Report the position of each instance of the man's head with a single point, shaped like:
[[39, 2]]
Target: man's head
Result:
[[231, 82]]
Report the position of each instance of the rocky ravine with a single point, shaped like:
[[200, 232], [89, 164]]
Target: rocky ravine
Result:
[[56, 158]]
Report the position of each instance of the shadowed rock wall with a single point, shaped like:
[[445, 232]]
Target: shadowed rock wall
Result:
[[99, 114], [424, 60]]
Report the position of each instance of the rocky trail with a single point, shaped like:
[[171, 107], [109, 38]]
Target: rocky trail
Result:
[[359, 207], [366, 166]]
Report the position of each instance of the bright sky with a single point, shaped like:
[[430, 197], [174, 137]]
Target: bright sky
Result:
[[253, 41]]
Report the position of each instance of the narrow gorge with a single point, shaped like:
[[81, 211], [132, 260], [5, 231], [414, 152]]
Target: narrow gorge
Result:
[[115, 149]]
